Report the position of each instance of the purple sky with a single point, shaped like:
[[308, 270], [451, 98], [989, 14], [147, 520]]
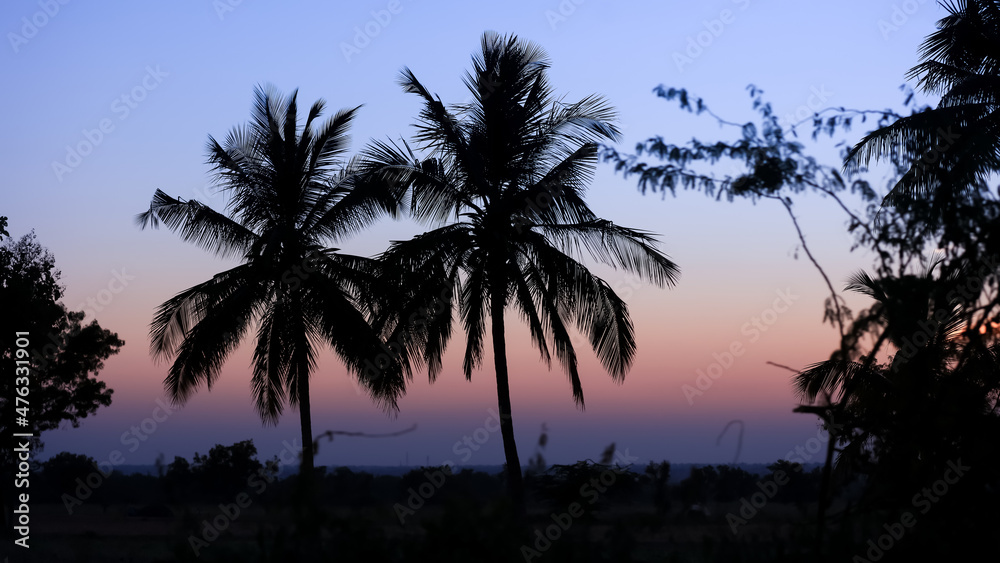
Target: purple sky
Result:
[[106, 102]]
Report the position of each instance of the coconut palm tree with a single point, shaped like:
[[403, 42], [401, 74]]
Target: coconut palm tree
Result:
[[879, 410], [921, 317], [505, 183], [956, 145], [906, 422], [290, 193]]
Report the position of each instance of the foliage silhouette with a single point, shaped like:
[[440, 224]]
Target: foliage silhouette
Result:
[[65, 354], [61, 470], [509, 169], [930, 404], [225, 470], [954, 146], [884, 408], [290, 192]]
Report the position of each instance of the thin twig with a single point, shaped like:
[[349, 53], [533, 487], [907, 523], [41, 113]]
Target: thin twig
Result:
[[739, 442], [782, 366], [329, 434], [805, 247]]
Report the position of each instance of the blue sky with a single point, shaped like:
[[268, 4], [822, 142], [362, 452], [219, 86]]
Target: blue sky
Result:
[[139, 86]]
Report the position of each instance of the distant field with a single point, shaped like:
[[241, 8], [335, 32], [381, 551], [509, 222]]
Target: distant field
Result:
[[111, 534], [678, 471]]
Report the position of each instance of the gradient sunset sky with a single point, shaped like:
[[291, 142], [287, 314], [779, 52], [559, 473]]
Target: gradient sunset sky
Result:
[[187, 69]]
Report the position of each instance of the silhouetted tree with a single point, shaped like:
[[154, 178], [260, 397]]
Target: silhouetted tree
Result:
[[287, 198], [510, 169], [64, 355], [178, 479], [659, 476], [733, 483], [699, 487], [955, 146], [802, 487], [225, 470], [908, 414], [61, 471]]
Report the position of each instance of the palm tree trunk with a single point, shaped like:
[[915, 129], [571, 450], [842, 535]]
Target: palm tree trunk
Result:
[[515, 483], [306, 503], [306, 466]]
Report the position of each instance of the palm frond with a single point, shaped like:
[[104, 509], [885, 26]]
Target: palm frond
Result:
[[846, 379], [473, 309], [270, 369], [631, 250], [177, 316], [199, 224], [212, 319]]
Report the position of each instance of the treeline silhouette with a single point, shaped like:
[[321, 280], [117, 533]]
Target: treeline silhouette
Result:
[[427, 510], [228, 470]]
